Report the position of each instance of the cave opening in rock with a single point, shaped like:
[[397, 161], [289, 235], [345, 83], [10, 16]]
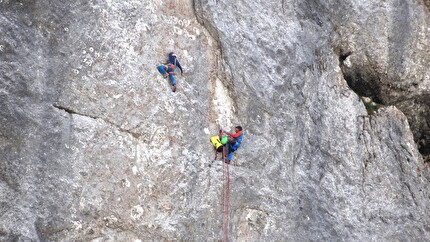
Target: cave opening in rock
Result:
[[366, 83], [363, 87], [362, 82]]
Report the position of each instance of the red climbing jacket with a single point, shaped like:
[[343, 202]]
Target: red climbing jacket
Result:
[[234, 136]]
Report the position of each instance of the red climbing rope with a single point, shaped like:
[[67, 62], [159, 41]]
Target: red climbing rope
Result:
[[226, 193]]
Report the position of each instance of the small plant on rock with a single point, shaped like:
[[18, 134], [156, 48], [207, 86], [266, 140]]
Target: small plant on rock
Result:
[[370, 105]]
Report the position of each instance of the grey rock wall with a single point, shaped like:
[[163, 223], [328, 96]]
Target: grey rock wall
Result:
[[95, 146], [384, 55]]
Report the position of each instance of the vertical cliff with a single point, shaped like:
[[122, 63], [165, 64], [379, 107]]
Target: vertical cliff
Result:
[[94, 145]]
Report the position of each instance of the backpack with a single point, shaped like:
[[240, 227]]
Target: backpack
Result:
[[215, 141], [224, 139]]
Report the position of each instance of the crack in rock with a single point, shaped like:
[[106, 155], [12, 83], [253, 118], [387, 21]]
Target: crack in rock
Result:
[[74, 112]]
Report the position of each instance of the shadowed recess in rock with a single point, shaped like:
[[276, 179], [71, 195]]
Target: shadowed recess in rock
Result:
[[374, 93]]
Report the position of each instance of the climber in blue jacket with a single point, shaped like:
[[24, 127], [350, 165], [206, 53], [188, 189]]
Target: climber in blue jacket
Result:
[[168, 71], [174, 61]]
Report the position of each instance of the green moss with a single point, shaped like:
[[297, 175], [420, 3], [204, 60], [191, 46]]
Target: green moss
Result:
[[370, 105]]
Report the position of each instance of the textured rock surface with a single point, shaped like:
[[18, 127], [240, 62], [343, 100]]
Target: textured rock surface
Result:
[[385, 52], [95, 146]]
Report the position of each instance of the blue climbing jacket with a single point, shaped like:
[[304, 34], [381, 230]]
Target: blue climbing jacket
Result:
[[236, 145], [173, 60]]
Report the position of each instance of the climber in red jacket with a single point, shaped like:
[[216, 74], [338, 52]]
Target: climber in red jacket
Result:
[[234, 142]]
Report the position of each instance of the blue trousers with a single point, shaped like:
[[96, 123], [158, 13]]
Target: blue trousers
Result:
[[230, 152], [162, 70], [172, 79]]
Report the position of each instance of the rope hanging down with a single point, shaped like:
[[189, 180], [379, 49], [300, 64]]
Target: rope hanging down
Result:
[[226, 193]]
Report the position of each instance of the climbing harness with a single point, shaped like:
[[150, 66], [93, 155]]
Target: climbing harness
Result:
[[170, 69]]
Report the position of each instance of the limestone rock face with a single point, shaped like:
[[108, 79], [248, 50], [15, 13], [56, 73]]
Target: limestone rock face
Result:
[[94, 145], [384, 54]]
